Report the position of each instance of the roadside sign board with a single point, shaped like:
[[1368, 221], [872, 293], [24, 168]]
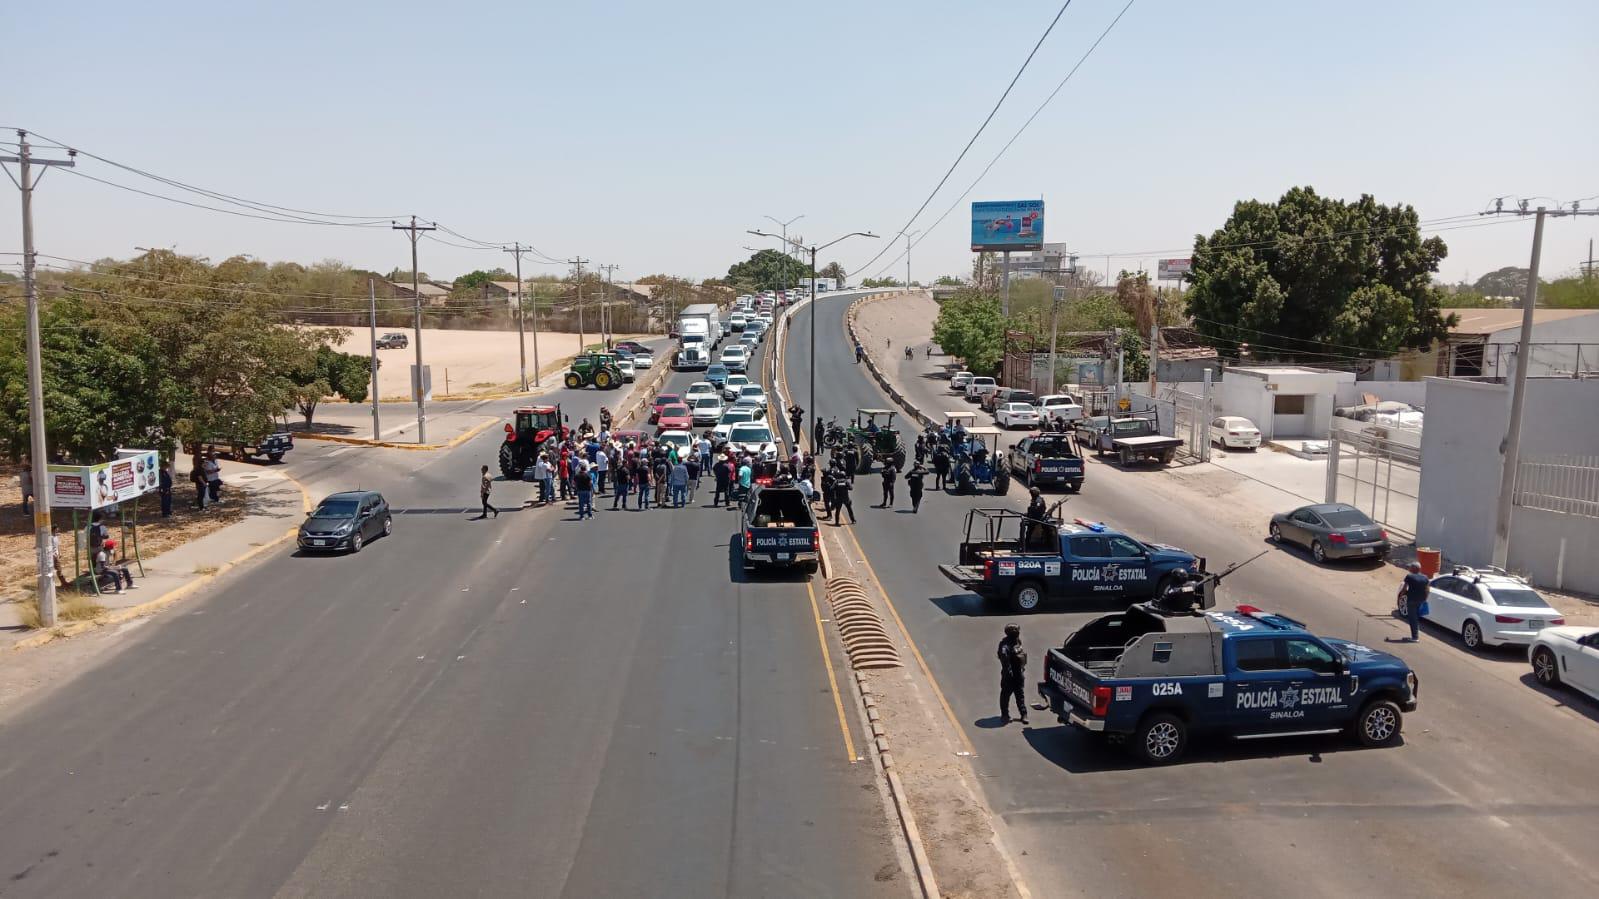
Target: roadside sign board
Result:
[[1175, 269], [105, 484], [1008, 225]]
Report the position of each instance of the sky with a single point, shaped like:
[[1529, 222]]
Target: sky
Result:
[[652, 135]]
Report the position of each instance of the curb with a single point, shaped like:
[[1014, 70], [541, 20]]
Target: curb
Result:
[[72, 629], [390, 444]]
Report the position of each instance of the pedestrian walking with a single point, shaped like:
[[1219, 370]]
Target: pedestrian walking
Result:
[[723, 473], [164, 487], [889, 476], [677, 480], [485, 484], [1415, 590], [914, 480], [213, 477], [583, 483], [929, 349], [1012, 673], [841, 500]]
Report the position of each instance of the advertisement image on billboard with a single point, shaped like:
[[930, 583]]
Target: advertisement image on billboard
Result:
[[1008, 225], [105, 484]]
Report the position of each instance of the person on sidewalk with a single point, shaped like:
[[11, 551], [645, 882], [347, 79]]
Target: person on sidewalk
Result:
[[583, 483], [164, 487], [914, 480], [889, 476], [1012, 673], [106, 563], [213, 477], [1415, 589], [55, 553], [197, 478], [841, 500], [485, 484], [677, 480]]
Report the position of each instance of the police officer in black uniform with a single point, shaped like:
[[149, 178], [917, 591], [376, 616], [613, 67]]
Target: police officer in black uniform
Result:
[[1012, 673]]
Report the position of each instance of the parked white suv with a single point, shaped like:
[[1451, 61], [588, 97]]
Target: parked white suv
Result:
[[1059, 405]]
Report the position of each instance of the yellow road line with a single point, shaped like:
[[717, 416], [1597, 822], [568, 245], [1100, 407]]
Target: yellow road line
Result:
[[927, 670], [832, 681]]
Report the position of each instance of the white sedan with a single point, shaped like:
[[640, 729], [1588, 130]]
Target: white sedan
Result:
[[1234, 432], [683, 440], [643, 357], [706, 409], [730, 418], [1487, 608], [699, 389], [627, 368], [754, 438], [751, 393], [1567, 655], [733, 385], [1010, 415]]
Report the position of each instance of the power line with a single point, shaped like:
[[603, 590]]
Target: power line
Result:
[[975, 136], [266, 218]]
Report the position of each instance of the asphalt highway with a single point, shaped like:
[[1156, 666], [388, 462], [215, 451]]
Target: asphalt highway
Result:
[[1494, 791], [526, 705]]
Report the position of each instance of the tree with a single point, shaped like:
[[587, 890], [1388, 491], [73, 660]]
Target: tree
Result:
[[836, 272], [403, 276], [949, 281], [1311, 277], [969, 327], [327, 372], [1509, 281], [769, 270], [881, 282], [476, 279]]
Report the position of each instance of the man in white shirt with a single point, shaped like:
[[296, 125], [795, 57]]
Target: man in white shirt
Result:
[[545, 477], [602, 464]]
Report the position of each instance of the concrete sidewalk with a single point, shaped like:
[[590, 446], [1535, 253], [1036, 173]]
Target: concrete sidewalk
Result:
[[275, 504]]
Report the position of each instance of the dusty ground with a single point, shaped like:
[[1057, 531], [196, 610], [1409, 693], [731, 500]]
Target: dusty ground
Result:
[[156, 535], [886, 320], [465, 362]]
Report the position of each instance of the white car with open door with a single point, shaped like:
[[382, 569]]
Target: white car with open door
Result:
[[1488, 608], [1567, 655], [1234, 432]]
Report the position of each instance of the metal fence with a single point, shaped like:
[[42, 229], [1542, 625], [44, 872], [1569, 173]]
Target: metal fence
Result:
[[1567, 484], [1376, 469]]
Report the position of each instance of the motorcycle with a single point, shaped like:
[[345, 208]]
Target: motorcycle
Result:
[[834, 435]]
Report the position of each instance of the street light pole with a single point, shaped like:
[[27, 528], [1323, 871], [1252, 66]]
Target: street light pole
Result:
[[419, 385], [788, 249], [813, 250], [908, 256]]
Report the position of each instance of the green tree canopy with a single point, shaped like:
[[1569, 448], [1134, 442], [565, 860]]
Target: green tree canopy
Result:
[[476, 279], [948, 281], [969, 327], [836, 272], [1311, 277], [769, 270], [1509, 281], [327, 372], [881, 282]]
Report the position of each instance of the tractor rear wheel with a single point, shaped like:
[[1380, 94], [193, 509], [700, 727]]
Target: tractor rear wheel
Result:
[[603, 380], [508, 466]]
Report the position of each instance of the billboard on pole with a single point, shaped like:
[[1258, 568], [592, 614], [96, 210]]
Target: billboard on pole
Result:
[[1008, 225], [1175, 269]]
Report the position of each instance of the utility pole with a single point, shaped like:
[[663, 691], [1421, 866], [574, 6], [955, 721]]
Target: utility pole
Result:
[[38, 449], [578, 261], [606, 323], [372, 299], [1004, 306], [1510, 447], [517, 250], [1154, 345], [414, 231], [908, 256], [1054, 323]]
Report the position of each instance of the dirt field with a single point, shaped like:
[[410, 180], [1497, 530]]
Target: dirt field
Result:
[[464, 362]]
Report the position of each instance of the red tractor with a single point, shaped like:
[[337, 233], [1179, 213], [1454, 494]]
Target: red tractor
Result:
[[528, 431]]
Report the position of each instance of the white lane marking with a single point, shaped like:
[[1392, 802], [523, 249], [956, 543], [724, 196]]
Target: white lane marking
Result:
[[339, 451]]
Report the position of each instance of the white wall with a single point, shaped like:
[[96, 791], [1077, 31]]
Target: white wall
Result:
[[1460, 468], [1412, 392], [1246, 396], [1549, 357]]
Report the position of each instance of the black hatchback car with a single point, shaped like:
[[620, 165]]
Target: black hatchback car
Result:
[[346, 521], [1332, 531]]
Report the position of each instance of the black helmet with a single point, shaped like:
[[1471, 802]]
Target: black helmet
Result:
[[1013, 630]]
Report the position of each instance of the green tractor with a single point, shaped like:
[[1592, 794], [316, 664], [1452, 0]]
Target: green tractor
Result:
[[598, 369], [873, 442]]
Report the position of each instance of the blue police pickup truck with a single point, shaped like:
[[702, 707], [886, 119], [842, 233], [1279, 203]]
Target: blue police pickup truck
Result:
[[779, 530], [1008, 556], [1151, 676]]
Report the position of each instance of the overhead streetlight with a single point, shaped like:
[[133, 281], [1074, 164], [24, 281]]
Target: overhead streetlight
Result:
[[784, 225], [908, 256], [813, 250]]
